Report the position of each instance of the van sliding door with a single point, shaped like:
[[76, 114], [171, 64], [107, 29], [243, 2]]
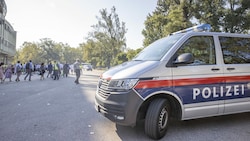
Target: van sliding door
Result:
[[236, 57]]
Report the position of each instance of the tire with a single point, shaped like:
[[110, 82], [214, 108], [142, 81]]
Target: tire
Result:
[[157, 118]]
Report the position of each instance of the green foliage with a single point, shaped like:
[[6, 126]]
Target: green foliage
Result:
[[236, 16], [120, 58], [50, 49], [210, 12], [176, 20], [29, 51], [107, 40], [91, 52], [173, 15], [154, 28], [168, 17], [46, 50]]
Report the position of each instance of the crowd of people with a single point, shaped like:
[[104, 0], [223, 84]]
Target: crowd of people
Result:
[[55, 70]]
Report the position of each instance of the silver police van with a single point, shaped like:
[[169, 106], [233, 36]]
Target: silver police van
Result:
[[190, 74]]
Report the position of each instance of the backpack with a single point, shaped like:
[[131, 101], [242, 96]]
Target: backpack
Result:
[[18, 68], [27, 66]]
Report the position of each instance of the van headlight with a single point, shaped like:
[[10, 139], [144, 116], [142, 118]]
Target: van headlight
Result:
[[122, 84]]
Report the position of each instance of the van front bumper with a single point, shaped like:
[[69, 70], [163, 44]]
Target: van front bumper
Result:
[[119, 107]]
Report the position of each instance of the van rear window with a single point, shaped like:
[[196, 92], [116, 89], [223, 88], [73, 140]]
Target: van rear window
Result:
[[235, 50]]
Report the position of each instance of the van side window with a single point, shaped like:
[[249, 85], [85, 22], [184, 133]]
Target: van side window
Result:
[[202, 48], [235, 50]]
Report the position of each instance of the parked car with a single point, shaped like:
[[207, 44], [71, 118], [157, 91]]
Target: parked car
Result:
[[87, 67]]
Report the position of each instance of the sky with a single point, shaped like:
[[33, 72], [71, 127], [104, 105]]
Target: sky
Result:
[[70, 21]]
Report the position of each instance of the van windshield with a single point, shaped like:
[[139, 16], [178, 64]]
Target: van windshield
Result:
[[156, 50]]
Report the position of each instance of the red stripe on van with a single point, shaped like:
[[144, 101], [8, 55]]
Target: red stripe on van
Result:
[[153, 84], [198, 81], [237, 78], [194, 81]]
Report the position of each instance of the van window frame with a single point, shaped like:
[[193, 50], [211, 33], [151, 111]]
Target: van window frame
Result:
[[174, 57], [236, 51]]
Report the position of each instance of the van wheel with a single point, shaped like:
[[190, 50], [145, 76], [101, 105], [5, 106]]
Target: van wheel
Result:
[[157, 117]]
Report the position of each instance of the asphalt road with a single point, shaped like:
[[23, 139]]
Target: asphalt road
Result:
[[59, 110]]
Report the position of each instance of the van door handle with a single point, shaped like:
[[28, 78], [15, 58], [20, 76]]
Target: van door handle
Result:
[[215, 69], [230, 69]]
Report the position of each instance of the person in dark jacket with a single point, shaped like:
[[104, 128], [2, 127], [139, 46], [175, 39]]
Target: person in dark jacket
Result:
[[42, 71], [66, 69], [77, 70], [50, 69]]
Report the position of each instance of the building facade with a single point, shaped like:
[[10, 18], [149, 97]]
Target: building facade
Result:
[[7, 37]]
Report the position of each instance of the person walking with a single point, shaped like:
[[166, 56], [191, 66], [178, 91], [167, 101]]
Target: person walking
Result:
[[77, 71], [50, 69], [1, 72], [18, 69], [65, 69], [42, 71], [8, 73], [28, 68], [56, 69]]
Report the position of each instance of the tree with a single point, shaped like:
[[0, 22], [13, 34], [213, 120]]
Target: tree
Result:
[[52, 50], [224, 15], [176, 20], [210, 12], [47, 50], [67, 54], [154, 28], [91, 53], [109, 36], [169, 16], [120, 58], [29, 51], [237, 16], [173, 15], [48, 47]]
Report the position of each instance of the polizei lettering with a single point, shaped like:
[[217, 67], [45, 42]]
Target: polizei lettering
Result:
[[215, 92]]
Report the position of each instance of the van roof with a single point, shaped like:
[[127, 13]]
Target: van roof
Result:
[[218, 34], [204, 29]]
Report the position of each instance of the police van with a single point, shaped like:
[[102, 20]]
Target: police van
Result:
[[189, 74]]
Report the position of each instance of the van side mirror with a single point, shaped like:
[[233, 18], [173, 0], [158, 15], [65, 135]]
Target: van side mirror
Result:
[[185, 58]]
